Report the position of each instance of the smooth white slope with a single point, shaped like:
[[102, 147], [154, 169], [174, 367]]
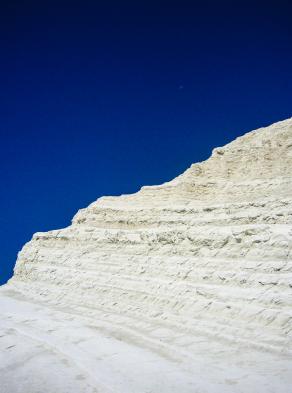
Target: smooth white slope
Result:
[[48, 351]]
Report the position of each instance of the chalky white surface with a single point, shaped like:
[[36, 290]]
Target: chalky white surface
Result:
[[182, 287]]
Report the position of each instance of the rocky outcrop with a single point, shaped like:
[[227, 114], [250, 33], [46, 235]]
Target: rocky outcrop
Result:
[[206, 254]]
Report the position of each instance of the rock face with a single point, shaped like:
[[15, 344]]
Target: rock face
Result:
[[206, 254]]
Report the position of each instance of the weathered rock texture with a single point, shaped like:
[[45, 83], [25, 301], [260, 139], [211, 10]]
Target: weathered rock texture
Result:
[[206, 254]]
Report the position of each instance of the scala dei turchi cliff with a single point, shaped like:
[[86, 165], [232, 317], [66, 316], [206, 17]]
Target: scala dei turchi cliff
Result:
[[182, 287]]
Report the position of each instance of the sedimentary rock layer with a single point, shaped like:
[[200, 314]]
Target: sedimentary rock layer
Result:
[[207, 254]]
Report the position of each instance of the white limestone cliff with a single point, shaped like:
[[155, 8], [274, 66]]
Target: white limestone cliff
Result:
[[204, 258]]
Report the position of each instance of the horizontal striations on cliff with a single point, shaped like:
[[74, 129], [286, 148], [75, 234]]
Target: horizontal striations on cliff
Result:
[[208, 253]]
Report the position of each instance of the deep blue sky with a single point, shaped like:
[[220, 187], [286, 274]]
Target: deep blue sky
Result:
[[100, 98]]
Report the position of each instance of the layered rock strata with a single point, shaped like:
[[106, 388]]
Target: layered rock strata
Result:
[[207, 254]]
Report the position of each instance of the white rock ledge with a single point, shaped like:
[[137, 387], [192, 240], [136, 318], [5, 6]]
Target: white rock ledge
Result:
[[182, 287]]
